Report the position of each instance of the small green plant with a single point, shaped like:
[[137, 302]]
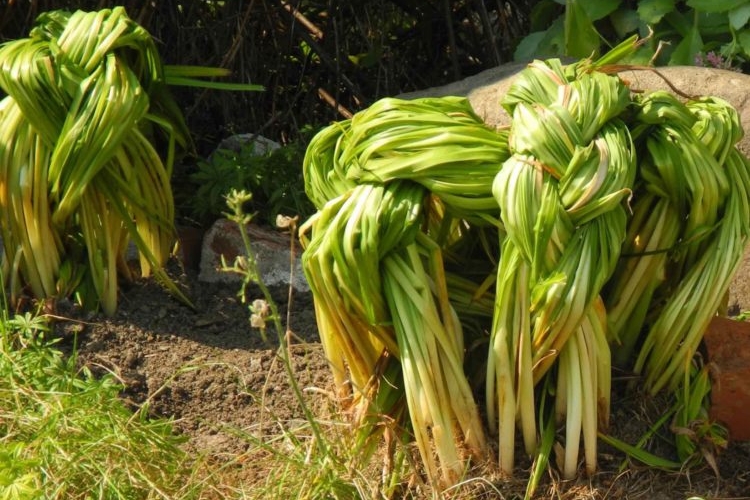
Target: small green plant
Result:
[[274, 177], [65, 433], [312, 459], [714, 33]]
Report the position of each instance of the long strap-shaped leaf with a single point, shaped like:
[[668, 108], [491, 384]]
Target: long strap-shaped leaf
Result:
[[86, 93]]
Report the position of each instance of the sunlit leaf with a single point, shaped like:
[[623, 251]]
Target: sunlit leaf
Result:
[[195, 82]]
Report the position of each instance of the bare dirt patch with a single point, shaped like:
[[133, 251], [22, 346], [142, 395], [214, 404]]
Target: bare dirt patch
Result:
[[216, 377]]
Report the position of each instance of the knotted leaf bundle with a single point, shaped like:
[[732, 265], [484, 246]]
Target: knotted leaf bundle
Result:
[[609, 222], [86, 149]]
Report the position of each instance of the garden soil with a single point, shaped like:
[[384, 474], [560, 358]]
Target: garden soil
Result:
[[225, 386]]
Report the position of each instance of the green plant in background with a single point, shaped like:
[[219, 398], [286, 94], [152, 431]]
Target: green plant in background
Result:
[[86, 116], [694, 32], [273, 176]]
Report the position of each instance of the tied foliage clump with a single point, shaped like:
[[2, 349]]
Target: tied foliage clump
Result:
[[89, 134], [86, 116], [447, 258]]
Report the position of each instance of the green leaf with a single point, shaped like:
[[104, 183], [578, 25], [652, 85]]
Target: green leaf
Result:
[[743, 37], [685, 52], [543, 14], [651, 11], [640, 454], [739, 16], [625, 21], [601, 8], [715, 5], [682, 23], [713, 24], [174, 70], [528, 47], [195, 82], [548, 43], [581, 38]]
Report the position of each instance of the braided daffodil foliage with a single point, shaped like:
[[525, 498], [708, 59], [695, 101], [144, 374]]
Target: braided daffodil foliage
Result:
[[88, 134], [450, 261], [82, 177]]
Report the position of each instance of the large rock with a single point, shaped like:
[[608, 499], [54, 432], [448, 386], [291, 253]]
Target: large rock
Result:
[[485, 91], [272, 251]]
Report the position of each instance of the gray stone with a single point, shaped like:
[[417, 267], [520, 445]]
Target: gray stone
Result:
[[262, 145], [271, 248], [272, 251]]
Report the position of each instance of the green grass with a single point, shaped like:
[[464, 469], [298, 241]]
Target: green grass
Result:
[[66, 434]]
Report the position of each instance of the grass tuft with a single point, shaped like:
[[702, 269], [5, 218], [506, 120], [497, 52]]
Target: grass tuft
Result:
[[67, 434]]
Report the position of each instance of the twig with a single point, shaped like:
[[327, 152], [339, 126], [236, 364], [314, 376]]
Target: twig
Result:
[[303, 20], [330, 62], [330, 100], [491, 41]]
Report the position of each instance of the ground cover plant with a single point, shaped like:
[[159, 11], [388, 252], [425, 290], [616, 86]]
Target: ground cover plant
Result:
[[693, 32], [273, 177], [65, 433]]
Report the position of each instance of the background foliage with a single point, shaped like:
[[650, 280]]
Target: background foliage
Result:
[[309, 54], [714, 33]]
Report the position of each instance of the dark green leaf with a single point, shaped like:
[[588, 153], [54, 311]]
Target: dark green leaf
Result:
[[527, 49], [542, 44], [581, 38], [543, 14], [682, 23], [651, 11], [687, 49], [743, 37], [600, 9], [715, 5], [625, 21], [713, 24]]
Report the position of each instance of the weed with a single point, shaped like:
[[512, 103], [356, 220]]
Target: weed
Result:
[[317, 458]]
